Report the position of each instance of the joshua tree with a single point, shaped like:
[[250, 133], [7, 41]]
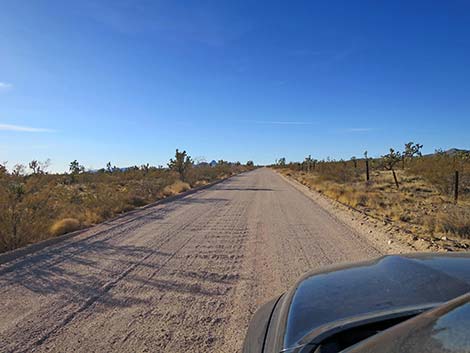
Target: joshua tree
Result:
[[19, 170], [310, 163], [411, 150], [145, 168], [76, 168], [390, 160], [181, 164], [39, 167], [3, 168], [281, 162], [354, 160], [250, 163], [35, 167]]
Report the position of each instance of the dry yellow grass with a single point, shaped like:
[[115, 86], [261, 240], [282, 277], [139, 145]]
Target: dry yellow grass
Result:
[[176, 188], [455, 221], [91, 217], [200, 183], [65, 225]]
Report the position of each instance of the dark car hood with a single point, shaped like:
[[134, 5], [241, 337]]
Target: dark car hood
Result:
[[442, 330], [323, 299]]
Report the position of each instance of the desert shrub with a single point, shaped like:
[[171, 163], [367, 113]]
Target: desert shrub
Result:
[[26, 208], [439, 171], [65, 225], [203, 174], [340, 172], [455, 221], [137, 201]]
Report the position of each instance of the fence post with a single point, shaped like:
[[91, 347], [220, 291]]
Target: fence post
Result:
[[367, 170], [456, 186], [395, 178]]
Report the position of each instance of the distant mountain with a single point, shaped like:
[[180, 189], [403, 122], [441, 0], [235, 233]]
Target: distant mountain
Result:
[[121, 169], [202, 164], [449, 152], [454, 151]]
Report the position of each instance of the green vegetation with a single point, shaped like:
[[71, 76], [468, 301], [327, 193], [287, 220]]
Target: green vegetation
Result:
[[37, 205], [418, 195]]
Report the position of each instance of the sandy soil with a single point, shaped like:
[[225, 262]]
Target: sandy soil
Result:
[[185, 276]]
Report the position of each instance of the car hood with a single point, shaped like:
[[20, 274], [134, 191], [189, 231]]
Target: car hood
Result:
[[442, 330], [324, 299]]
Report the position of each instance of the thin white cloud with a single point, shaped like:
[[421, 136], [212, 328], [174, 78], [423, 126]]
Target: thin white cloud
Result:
[[360, 129], [5, 86], [19, 128], [277, 122]]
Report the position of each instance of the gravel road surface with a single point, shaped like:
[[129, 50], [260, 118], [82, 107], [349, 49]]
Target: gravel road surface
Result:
[[184, 276]]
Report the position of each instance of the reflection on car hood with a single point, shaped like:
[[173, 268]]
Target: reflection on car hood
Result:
[[384, 284], [442, 330]]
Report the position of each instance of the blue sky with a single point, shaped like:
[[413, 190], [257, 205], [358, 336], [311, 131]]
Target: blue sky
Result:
[[130, 81]]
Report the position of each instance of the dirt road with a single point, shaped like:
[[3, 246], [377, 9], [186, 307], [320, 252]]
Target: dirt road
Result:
[[184, 276]]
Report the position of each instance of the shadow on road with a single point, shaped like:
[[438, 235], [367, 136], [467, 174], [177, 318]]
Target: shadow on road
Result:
[[79, 269]]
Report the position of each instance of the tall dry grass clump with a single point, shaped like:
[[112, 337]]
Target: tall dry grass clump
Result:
[[176, 188], [64, 226]]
